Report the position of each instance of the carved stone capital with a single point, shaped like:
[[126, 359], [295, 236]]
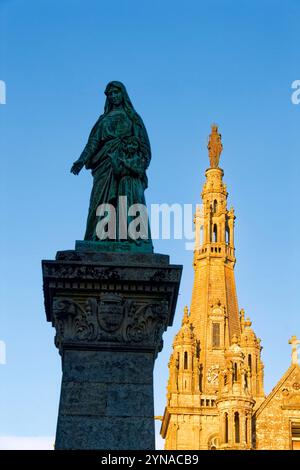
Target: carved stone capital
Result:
[[109, 318], [115, 301]]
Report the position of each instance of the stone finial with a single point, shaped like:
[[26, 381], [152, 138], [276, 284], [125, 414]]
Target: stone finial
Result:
[[214, 146], [294, 342], [185, 319], [248, 322]]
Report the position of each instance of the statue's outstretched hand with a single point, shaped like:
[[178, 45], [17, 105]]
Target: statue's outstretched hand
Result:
[[76, 167]]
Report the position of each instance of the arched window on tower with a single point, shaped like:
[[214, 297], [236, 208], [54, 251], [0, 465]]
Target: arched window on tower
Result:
[[216, 335], [201, 238], [246, 430], [215, 206], [237, 427], [227, 234], [246, 381], [185, 360], [250, 363], [226, 428], [177, 361], [215, 234], [235, 372], [200, 377]]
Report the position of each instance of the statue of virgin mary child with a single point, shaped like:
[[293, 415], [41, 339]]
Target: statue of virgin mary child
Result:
[[118, 153]]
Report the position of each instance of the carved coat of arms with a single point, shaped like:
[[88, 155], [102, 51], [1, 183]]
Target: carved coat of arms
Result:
[[111, 311]]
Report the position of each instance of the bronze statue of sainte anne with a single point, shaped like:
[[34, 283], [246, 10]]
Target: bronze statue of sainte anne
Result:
[[118, 153]]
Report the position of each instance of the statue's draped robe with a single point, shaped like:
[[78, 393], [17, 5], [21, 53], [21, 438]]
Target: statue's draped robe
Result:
[[105, 145]]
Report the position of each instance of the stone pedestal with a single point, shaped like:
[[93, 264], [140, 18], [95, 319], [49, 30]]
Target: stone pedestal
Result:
[[109, 311]]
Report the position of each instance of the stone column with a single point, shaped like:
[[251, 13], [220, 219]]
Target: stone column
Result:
[[248, 429], [222, 428], [232, 427], [242, 428], [109, 311]]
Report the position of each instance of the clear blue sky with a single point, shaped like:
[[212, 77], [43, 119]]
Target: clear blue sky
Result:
[[185, 65]]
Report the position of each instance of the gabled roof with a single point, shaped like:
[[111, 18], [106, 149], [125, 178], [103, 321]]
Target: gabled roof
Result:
[[283, 379]]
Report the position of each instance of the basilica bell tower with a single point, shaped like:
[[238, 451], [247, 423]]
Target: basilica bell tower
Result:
[[215, 370]]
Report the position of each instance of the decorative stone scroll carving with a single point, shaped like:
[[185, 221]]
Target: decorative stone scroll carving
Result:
[[110, 317]]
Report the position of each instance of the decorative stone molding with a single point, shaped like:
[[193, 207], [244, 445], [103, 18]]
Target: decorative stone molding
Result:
[[110, 318]]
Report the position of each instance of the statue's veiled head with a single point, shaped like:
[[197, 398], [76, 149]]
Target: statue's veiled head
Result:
[[116, 94]]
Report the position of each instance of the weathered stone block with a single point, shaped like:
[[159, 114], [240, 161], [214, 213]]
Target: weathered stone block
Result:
[[83, 398], [130, 400], [93, 365], [106, 434]]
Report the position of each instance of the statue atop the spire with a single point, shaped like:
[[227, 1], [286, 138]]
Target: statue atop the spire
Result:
[[214, 146]]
